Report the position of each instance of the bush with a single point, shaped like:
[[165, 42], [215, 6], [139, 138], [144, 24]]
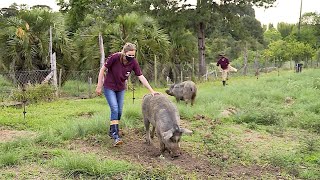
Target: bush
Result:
[[34, 93]]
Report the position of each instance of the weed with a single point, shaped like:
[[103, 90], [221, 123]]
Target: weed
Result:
[[9, 159]]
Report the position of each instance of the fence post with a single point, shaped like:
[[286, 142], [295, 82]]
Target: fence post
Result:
[[192, 67], [256, 64], [60, 81], [78, 84], [90, 86], [278, 66], [181, 76], [207, 75], [54, 68], [53, 63], [245, 60]]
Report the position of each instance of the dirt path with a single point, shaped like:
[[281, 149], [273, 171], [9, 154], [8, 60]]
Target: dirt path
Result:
[[136, 151], [10, 135]]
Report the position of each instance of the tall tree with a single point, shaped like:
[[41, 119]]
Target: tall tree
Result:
[[203, 16], [285, 29]]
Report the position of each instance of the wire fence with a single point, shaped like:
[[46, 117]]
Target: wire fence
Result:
[[82, 84]]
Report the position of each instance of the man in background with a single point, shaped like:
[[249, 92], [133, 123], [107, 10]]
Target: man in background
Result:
[[224, 64]]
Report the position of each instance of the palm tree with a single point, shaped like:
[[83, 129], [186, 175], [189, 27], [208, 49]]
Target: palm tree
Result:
[[25, 40], [142, 30]]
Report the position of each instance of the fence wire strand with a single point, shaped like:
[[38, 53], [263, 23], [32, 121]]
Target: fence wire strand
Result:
[[83, 83]]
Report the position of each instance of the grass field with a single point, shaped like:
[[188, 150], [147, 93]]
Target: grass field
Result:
[[266, 128]]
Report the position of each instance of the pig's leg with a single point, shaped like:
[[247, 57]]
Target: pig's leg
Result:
[[152, 132], [192, 99], [187, 101], [147, 126], [162, 147]]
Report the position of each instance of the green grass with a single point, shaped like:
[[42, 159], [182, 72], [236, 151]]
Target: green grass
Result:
[[77, 88], [90, 165], [266, 130]]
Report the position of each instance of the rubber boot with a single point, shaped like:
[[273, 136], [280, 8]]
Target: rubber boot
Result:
[[110, 132], [115, 134]]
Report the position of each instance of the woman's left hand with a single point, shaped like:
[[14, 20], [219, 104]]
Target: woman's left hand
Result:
[[155, 93]]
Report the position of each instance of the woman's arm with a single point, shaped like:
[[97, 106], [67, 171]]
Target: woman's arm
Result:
[[100, 80], [145, 82]]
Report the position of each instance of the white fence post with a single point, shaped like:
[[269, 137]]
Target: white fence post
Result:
[[53, 63]]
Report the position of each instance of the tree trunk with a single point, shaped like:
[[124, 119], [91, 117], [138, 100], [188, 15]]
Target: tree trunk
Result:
[[201, 48]]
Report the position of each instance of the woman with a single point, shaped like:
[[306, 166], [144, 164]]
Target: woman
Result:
[[119, 66]]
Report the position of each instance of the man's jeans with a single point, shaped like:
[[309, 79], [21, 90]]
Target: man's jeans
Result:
[[115, 101]]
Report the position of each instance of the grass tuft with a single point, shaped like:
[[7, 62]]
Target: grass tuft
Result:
[[89, 165]]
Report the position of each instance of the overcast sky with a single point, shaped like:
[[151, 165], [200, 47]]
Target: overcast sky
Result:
[[284, 10]]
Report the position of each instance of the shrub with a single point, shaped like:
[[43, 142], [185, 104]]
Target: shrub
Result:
[[34, 93]]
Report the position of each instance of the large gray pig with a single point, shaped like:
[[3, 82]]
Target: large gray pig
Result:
[[165, 119], [185, 91]]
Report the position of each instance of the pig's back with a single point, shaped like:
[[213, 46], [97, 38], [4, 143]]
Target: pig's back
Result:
[[152, 106]]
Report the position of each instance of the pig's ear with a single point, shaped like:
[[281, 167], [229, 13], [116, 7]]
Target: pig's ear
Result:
[[167, 135], [185, 131]]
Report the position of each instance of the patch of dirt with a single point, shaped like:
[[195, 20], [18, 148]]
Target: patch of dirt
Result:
[[201, 117], [253, 172], [10, 135], [136, 151], [229, 112], [30, 171], [209, 123], [86, 114], [289, 101]]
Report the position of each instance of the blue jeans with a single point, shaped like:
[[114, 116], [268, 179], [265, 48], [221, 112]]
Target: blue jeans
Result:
[[115, 101]]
